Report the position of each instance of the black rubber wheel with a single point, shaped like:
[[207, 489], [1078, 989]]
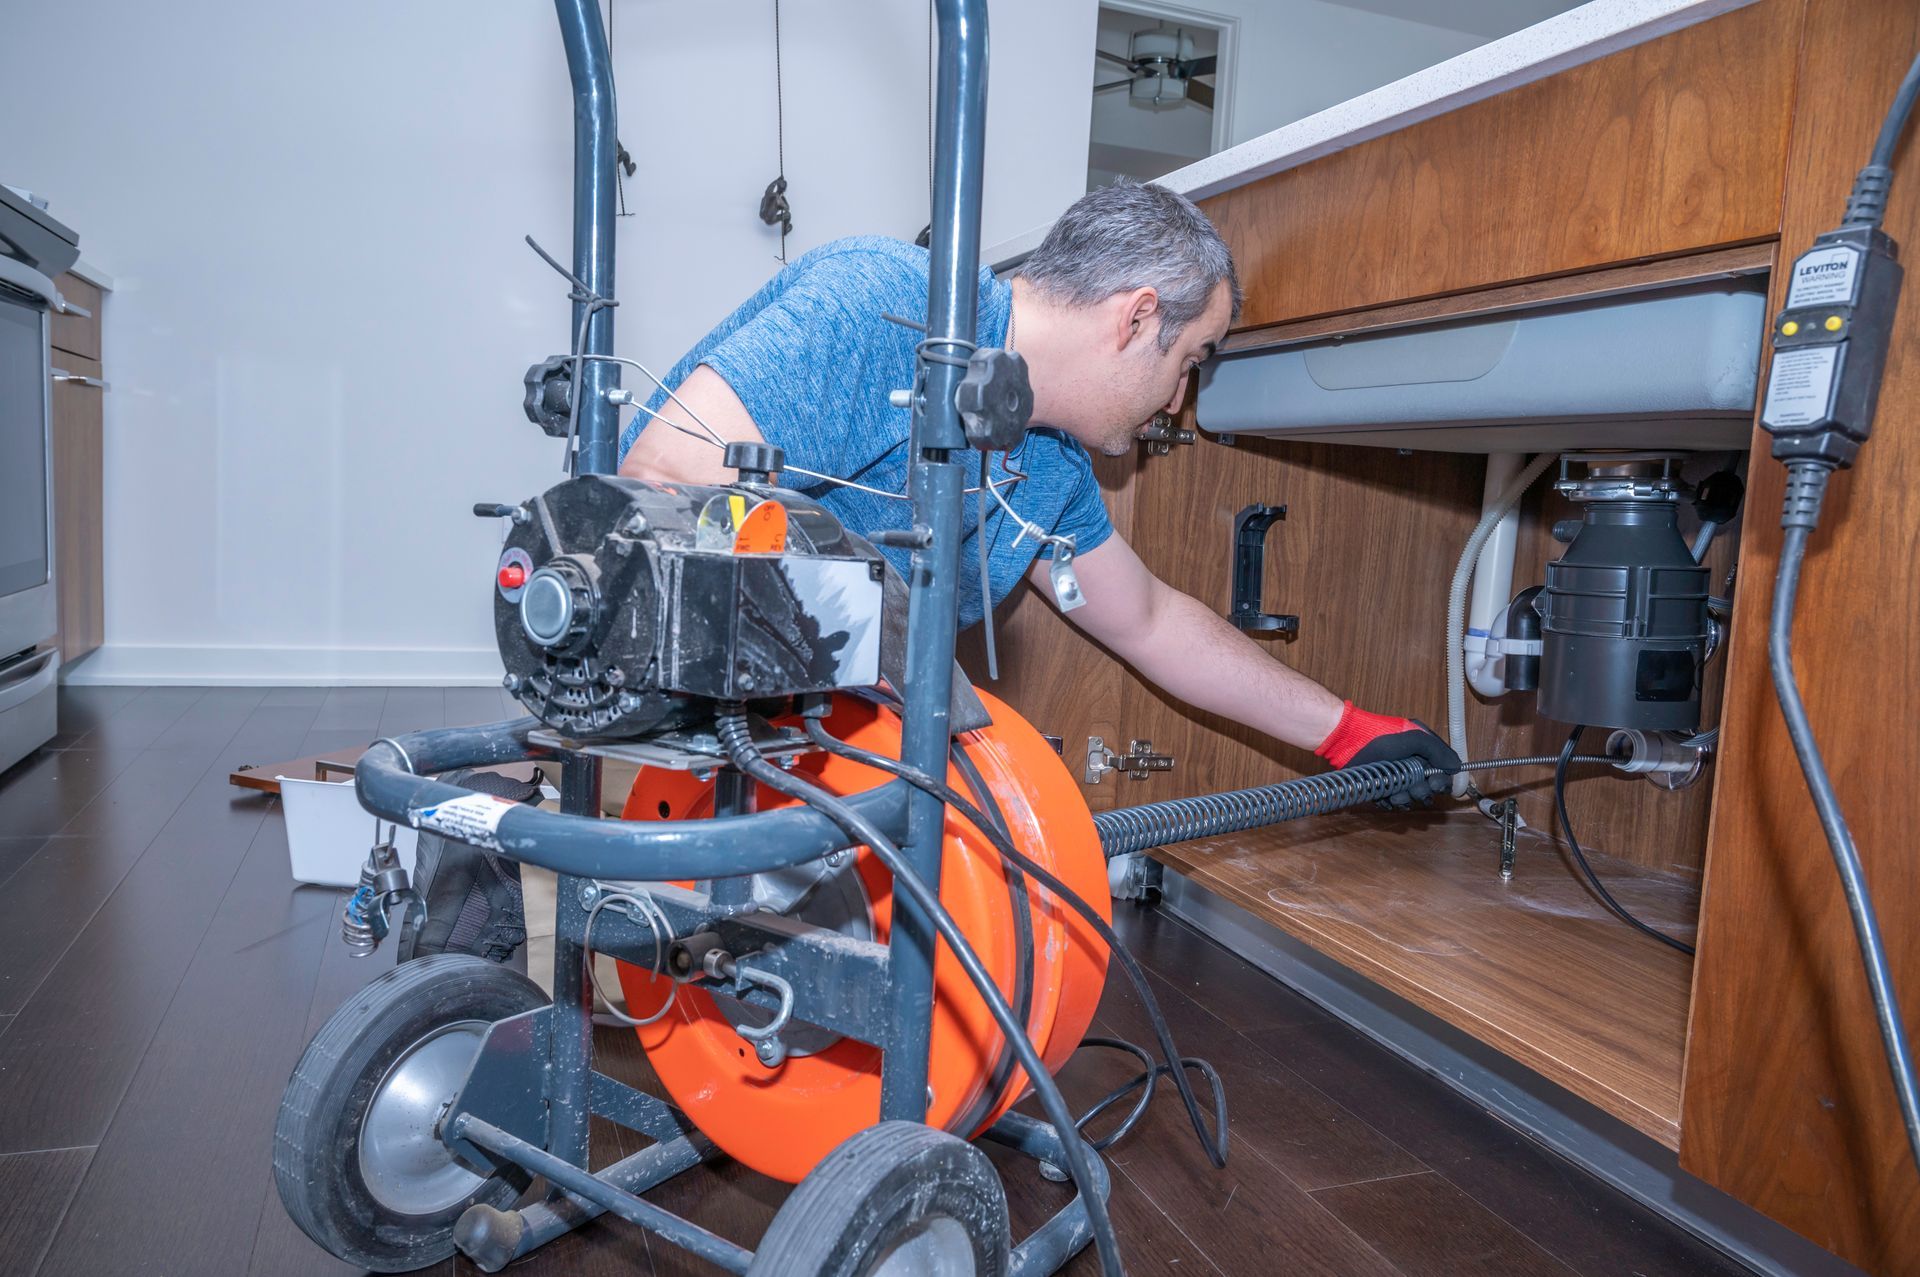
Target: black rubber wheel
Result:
[[355, 1155], [897, 1200]]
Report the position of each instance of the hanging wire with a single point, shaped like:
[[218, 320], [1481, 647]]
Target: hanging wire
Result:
[[623, 165], [591, 302], [661, 927], [778, 189]]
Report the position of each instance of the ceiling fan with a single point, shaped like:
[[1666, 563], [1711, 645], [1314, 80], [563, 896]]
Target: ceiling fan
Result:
[[1161, 69]]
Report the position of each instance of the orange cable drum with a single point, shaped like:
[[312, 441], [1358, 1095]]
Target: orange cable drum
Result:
[[782, 1120]]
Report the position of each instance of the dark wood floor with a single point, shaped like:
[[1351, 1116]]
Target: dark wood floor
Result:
[[159, 975]]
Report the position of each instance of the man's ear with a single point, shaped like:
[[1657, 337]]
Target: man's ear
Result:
[[1137, 316]]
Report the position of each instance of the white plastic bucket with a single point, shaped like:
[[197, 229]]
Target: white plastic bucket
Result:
[[329, 832]]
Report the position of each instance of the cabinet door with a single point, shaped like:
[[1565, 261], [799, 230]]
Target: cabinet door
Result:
[[75, 334], [78, 467]]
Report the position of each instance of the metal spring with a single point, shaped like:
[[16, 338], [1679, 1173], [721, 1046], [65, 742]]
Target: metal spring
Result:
[[1131, 829]]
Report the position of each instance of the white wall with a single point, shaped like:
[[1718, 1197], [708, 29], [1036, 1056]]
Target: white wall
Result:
[[312, 214]]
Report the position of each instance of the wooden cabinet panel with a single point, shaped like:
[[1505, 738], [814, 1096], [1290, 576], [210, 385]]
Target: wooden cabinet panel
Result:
[[78, 334], [1362, 558], [78, 468], [1787, 1103], [1669, 147]]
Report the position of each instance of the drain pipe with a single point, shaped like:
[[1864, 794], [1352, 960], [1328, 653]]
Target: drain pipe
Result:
[[1507, 500], [1492, 578]]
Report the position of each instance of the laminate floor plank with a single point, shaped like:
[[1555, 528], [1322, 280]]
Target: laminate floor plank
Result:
[[43, 792], [1584, 1222], [1150, 1240], [15, 852], [35, 1190], [223, 1050], [1273, 1113], [1210, 974], [82, 709], [1429, 1228], [358, 708], [413, 709], [168, 766], [80, 1036], [50, 898], [467, 706]]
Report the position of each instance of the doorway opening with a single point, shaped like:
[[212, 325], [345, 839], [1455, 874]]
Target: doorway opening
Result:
[[1161, 89]]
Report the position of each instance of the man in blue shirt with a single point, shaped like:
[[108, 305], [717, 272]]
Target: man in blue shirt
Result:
[[1131, 291]]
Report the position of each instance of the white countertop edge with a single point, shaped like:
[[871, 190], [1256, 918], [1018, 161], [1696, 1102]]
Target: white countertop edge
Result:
[[1565, 40], [92, 274]]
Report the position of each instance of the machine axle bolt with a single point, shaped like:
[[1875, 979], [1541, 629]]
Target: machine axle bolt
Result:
[[589, 894], [511, 682]]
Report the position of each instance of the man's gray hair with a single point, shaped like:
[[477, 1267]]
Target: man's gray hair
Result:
[[1132, 235]]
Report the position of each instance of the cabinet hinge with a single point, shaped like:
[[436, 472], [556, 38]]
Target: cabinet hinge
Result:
[[1161, 434], [1137, 762]]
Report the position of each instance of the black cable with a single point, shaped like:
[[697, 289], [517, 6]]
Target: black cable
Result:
[[1867, 205], [1215, 1141], [745, 755], [1897, 114], [986, 565], [1020, 901], [1580, 857], [1147, 1078], [1806, 485]]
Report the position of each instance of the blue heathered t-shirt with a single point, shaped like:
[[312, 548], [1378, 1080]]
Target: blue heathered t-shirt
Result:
[[813, 360]]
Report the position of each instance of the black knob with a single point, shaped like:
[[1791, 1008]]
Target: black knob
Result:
[[995, 399], [756, 462], [557, 604]]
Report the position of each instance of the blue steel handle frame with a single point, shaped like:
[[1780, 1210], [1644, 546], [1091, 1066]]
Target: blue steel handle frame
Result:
[[594, 148], [935, 482], [935, 478]]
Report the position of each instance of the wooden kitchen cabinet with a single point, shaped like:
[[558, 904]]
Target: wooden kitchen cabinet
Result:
[[1720, 149], [79, 455]]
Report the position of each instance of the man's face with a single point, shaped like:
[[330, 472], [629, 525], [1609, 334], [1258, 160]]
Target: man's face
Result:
[[1144, 380]]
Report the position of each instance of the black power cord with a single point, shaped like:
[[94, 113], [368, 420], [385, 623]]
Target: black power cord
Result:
[[1806, 484], [1580, 857], [737, 740], [1215, 1141], [1830, 346]]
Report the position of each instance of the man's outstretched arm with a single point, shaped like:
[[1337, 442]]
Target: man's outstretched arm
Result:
[[1193, 653], [689, 455]]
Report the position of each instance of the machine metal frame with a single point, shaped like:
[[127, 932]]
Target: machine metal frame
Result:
[[530, 1093]]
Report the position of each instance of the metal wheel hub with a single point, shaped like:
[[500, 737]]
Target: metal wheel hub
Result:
[[938, 1248], [402, 1161]]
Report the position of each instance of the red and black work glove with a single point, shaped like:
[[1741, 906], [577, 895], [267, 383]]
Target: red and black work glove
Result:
[[1362, 737]]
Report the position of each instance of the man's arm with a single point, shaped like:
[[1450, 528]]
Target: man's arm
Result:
[[1191, 652], [664, 454]]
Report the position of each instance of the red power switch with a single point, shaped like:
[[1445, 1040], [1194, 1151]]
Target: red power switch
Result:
[[512, 576]]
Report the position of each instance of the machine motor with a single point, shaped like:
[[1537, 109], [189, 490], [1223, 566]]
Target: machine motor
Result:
[[1623, 617], [623, 607]]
